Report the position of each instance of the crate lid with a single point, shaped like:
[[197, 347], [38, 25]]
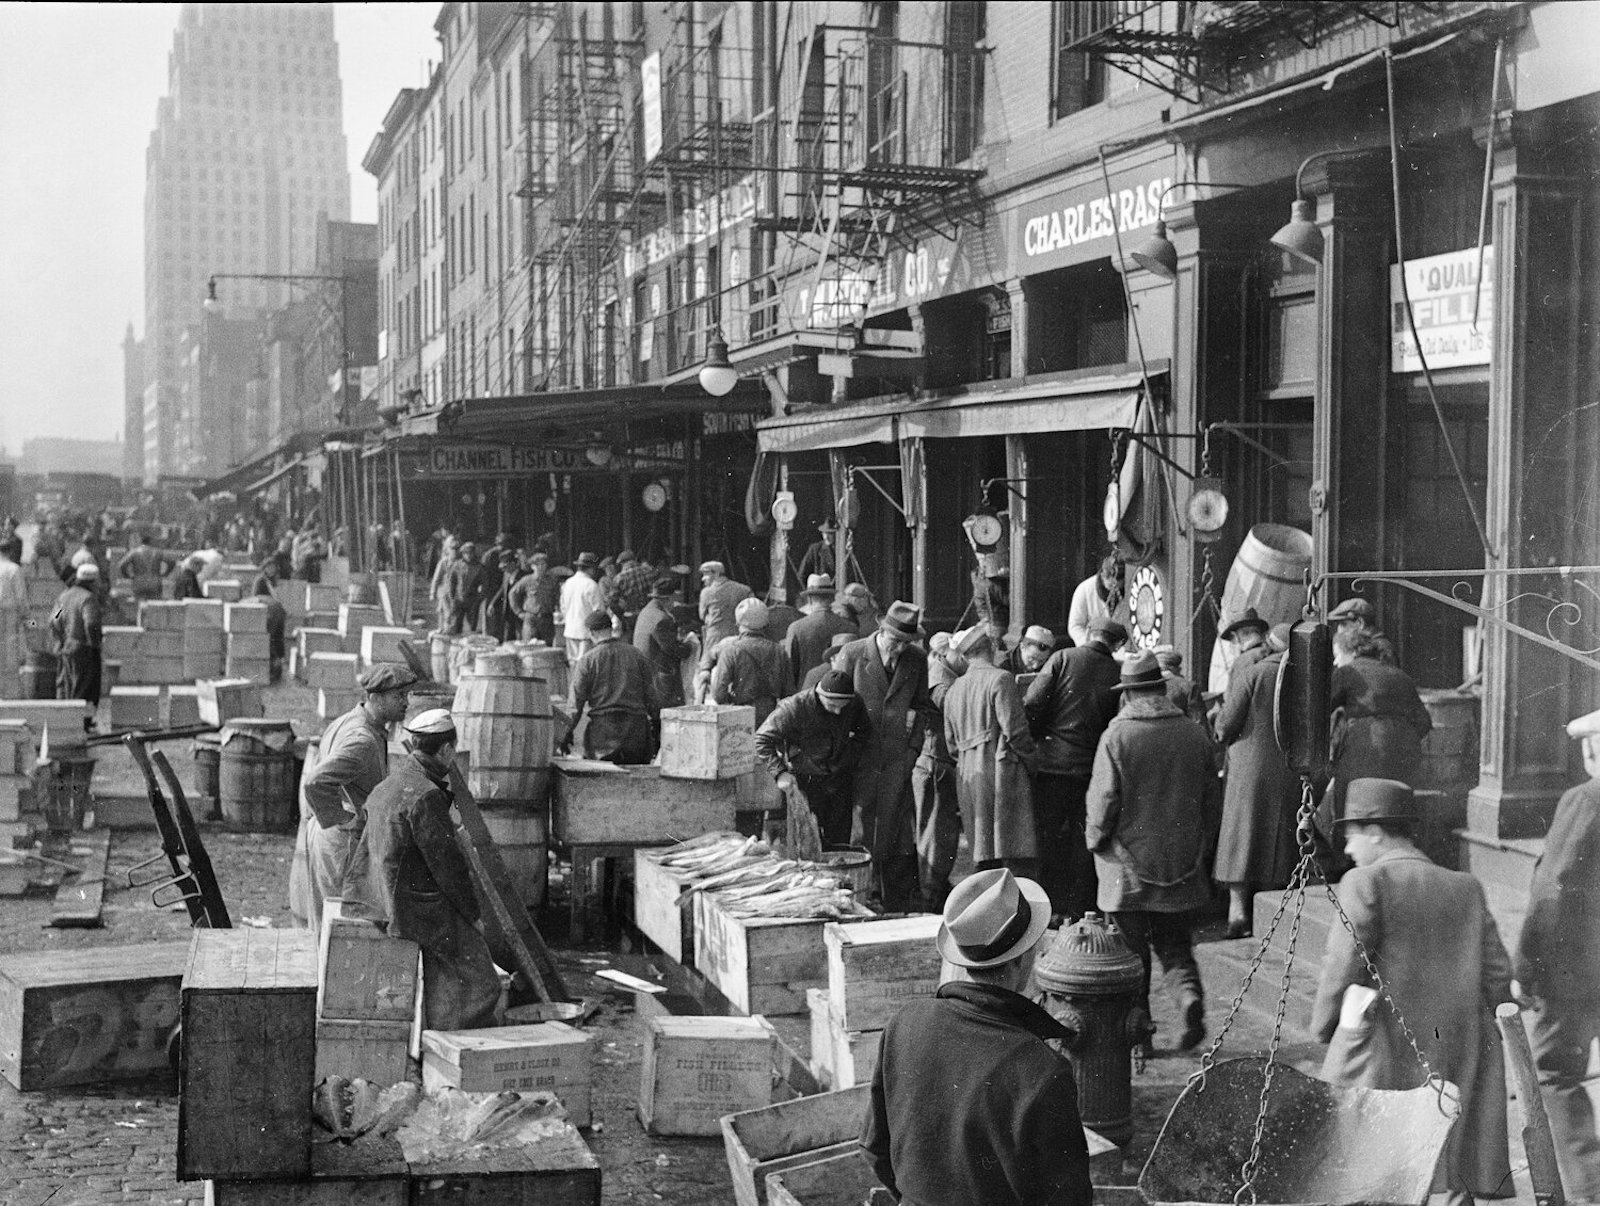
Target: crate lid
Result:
[[702, 1027], [450, 1044], [923, 928], [257, 960]]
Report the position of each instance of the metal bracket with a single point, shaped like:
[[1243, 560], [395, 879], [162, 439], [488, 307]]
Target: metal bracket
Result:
[[866, 471], [1144, 442]]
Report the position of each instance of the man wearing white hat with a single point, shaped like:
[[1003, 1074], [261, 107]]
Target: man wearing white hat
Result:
[[972, 1103], [1557, 968], [748, 668], [720, 595], [423, 884], [1032, 651], [75, 628]]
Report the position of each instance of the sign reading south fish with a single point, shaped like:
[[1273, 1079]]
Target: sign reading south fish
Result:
[[1083, 223], [1446, 291]]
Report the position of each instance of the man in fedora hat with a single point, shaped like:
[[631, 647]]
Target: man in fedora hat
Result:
[[1069, 706], [720, 595], [891, 676], [657, 635], [820, 671], [813, 741], [581, 597], [819, 555], [1247, 632], [972, 1103], [810, 637], [1557, 967], [1430, 935], [1151, 798]]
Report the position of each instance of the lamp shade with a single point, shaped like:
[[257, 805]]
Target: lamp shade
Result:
[[1157, 254], [717, 375], [1300, 236]]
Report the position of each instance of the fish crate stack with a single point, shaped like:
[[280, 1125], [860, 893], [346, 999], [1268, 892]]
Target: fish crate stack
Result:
[[308, 641], [717, 741], [368, 995], [505, 724], [382, 644], [228, 590], [18, 803], [354, 618], [156, 655], [335, 678], [322, 602], [874, 967], [205, 639], [248, 645]]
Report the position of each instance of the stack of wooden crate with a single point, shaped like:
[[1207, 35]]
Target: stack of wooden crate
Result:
[[308, 641], [697, 1069], [367, 1000], [135, 707], [161, 648], [354, 619], [874, 967], [204, 639], [322, 600], [248, 649], [334, 677], [18, 803]]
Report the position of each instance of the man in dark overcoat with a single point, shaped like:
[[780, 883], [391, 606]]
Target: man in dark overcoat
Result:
[[1429, 933], [933, 782], [809, 638], [1069, 705], [656, 635], [1154, 784], [813, 740], [616, 684], [891, 676], [1557, 967], [973, 1101]]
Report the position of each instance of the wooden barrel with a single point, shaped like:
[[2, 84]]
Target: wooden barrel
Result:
[[256, 776], [208, 774], [519, 835], [549, 663], [501, 661], [1268, 574], [504, 723], [439, 655]]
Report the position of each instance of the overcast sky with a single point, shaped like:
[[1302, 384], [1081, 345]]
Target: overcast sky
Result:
[[77, 105]]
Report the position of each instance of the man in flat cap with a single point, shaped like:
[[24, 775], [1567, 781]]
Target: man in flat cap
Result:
[[1356, 614], [616, 683], [810, 638], [423, 884], [1429, 932], [720, 595], [75, 627], [748, 668], [973, 1102], [330, 858], [891, 676], [1557, 967], [466, 587], [581, 597], [1069, 706], [813, 740]]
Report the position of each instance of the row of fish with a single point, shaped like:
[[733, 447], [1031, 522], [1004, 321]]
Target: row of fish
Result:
[[749, 880]]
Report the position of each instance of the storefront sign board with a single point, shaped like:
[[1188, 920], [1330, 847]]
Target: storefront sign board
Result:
[[1444, 290], [1082, 222]]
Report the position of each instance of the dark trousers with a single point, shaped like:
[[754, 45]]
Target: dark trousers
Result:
[[1561, 1034], [1066, 868], [1168, 935], [938, 824], [830, 800], [884, 824], [78, 675], [620, 737]]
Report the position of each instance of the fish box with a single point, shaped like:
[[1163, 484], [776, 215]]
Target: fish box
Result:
[[375, 1051], [658, 910], [380, 644], [225, 699], [559, 1170], [136, 707], [249, 1055], [204, 614], [120, 642], [353, 617], [247, 616], [788, 1135], [597, 803], [183, 706], [332, 703], [708, 741], [322, 596], [229, 590], [550, 1057], [840, 1058], [249, 646], [88, 1015], [845, 1179], [696, 1069], [364, 974], [762, 965], [159, 614], [319, 640], [874, 967], [333, 671]]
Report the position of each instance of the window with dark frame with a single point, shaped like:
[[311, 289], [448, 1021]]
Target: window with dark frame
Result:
[[1077, 80]]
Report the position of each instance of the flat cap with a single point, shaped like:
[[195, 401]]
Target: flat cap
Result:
[[387, 676], [1105, 626], [1040, 635], [1354, 608], [599, 621], [713, 567], [751, 615], [87, 572], [434, 720]]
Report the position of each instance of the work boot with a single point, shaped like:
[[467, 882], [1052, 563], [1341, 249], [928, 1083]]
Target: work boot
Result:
[[1194, 1023]]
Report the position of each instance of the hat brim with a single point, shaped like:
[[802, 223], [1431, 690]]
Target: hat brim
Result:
[[1240, 625], [1395, 819], [1038, 921], [1166, 676]]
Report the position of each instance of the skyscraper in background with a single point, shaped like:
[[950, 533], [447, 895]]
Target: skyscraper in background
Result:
[[248, 150]]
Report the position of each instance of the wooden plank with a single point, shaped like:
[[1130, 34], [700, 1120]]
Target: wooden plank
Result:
[[787, 1135], [508, 926], [762, 965], [368, 1173], [88, 1016], [638, 806], [659, 910], [78, 899], [365, 1050]]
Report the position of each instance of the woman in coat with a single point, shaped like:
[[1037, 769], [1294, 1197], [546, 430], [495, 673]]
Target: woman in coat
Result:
[[1378, 720], [1256, 845], [986, 728]]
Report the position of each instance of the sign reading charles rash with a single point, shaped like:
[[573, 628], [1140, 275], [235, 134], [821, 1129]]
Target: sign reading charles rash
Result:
[[1082, 223]]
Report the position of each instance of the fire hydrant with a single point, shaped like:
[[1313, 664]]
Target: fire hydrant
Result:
[[1091, 982]]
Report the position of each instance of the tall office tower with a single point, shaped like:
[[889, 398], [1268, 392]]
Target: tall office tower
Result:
[[248, 149]]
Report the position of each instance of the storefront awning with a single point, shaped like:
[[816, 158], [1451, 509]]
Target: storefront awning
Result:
[[266, 481], [241, 479], [1085, 400]]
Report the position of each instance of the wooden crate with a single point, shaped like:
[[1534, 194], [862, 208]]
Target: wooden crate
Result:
[[249, 646], [874, 967], [708, 741], [229, 590], [696, 1069], [379, 644], [240, 618], [249, 1055], [224, 699], [183, 706], [120, 641], [321, 596], [657, 910], [333, 671], [335, 703], [787, 1135], [761, 965], [840, 1058], [367, 1173], [135, 707], [633, 805], [204, 613], [375, 1051], [88, 1015], [353, 617], [560, 1171], [549, 1056], [155, 614], [842, 1180], [365, 975], [318, 640]]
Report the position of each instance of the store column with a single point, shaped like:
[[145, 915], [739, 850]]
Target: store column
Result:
[[1017, 466], [1531, 493]]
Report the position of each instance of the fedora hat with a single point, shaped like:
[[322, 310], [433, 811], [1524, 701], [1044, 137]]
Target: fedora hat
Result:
[[903, 620], [1248, 618], [818, 586], [1142, 671], [586, 561], [1367, 801], [991, 917]]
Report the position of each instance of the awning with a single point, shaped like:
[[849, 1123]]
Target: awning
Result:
[[264, 482], [1082, 400]]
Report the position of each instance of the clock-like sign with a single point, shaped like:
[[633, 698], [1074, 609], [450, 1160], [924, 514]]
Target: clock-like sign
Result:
[[1148, 607], [986, 530], [654, 496]]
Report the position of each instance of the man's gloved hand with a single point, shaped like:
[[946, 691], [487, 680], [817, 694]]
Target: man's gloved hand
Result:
[[785, 782]]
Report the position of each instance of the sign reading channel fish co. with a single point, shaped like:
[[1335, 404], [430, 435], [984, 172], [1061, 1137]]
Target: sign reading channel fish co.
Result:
[[1083, 223], [1445, 293]]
